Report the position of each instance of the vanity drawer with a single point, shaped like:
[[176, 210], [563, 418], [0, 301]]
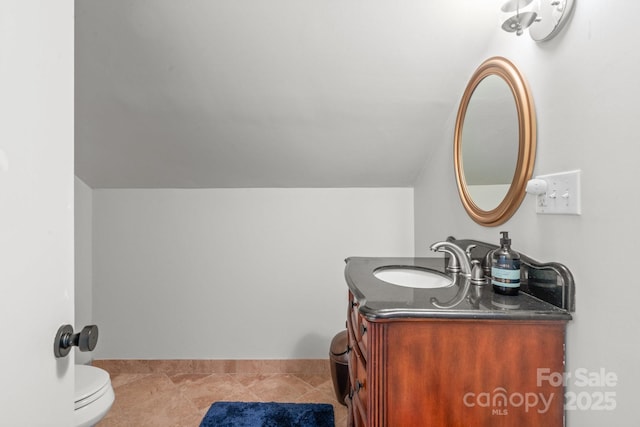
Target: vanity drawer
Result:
[[352, 361], [352, 313], [359, 412], [362, 334], [357, 376], [357, 367], [356, 357], [349, 403], [358, 392], [360, 325]]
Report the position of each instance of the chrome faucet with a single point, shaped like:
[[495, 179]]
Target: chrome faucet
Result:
[[459, 254]]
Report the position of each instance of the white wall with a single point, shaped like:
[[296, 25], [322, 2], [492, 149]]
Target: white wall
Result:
[[83, 262], [234, 273], [586, 92]]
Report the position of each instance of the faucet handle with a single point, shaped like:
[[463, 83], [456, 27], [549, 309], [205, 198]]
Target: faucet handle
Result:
[[477, 273], [486, 263], [454, 265], [468, 250]]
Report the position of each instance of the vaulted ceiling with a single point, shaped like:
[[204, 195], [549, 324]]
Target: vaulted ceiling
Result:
[[269, 93]]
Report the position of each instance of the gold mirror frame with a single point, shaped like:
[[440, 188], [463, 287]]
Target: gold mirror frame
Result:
[[503, 68]]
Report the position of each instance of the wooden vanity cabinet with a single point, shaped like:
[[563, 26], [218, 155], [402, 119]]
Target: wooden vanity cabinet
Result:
[[434, 372]]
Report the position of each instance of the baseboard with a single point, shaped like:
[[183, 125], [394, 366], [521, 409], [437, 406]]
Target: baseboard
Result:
[[199, 366]]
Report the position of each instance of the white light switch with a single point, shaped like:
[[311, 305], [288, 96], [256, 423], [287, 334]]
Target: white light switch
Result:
[[562, 195]]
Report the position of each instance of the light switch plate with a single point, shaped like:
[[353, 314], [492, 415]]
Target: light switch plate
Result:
[[562, 196]]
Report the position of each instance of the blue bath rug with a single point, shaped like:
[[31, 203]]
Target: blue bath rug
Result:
[[272, 414]]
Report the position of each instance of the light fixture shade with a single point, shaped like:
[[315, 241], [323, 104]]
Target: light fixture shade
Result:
[[518, 15], [515, 5], [520, 22]]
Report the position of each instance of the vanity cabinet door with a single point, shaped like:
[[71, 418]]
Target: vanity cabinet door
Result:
[[449, 373], [454, 372]]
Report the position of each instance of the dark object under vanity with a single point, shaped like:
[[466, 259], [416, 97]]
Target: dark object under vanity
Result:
[[339, 365]]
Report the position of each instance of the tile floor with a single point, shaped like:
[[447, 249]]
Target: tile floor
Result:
[[162, 395]]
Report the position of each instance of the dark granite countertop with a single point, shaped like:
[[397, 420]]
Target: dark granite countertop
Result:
[[380, 300]]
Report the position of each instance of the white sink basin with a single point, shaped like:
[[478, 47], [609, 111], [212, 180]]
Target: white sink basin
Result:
[[413, 277]]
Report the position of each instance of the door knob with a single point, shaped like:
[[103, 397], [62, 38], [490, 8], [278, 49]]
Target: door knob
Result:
[[85, 340]]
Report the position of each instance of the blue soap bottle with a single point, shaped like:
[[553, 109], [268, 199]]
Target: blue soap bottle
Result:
[[505, 268]]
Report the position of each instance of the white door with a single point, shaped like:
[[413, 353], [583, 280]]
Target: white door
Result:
[[36, 210]]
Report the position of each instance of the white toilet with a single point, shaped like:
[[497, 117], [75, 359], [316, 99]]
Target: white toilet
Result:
[[93, 395]]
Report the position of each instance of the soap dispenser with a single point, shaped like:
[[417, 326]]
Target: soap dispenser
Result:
[[505, 268]]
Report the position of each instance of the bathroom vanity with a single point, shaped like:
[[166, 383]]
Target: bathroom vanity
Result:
[[445, 350], [458, 355]]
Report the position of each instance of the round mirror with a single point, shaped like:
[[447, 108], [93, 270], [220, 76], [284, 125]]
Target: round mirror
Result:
[[494, 142]]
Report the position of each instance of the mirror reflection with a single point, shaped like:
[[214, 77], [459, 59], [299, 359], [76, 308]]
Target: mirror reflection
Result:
[[490, 142]]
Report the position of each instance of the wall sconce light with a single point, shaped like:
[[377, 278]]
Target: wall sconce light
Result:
[[543, 18], [523, 18]]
